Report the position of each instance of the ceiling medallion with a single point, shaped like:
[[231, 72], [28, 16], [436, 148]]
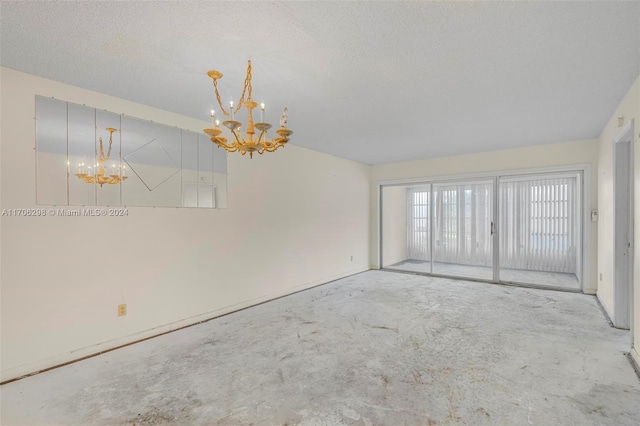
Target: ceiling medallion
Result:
[[249, 142]]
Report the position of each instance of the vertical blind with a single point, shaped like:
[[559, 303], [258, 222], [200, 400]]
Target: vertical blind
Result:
[[539, 224], [419, 223], [462, 223]]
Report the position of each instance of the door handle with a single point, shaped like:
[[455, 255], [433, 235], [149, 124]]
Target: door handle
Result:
[[493, 228]]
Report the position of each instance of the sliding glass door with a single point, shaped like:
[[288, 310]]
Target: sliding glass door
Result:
[[540, 236], [516, 229], [463, 229]]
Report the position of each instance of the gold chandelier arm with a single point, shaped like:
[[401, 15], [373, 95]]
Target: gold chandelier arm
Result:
[[235, 133], [229, 148], [222, 143], [274, 145], [263, 134]]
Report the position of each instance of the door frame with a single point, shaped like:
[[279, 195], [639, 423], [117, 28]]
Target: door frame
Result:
[[586, 193], [623, 226]]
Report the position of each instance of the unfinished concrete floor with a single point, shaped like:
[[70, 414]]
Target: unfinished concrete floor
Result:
[[375, 348]]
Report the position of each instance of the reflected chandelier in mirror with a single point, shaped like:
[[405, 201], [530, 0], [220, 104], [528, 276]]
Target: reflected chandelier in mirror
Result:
[[82, 154], [99, 174]]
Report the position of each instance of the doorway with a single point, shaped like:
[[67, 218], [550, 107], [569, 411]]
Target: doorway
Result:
[[623, 226]]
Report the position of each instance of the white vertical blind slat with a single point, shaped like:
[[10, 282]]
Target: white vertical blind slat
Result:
[[537, 231]]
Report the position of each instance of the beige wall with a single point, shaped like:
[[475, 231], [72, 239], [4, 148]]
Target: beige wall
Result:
[[629, 108], [394, 225], [635, 350], [552, 155], [295, 219]]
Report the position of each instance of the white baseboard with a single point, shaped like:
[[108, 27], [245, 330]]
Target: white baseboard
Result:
[[636, 356], [394, 261], [604, 308], [80, 353]]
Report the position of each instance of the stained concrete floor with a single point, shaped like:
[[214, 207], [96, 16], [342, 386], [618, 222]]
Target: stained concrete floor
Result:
[[375, 348], [540, 278]]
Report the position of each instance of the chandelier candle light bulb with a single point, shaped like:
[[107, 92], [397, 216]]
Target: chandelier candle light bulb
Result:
[[247, 142]]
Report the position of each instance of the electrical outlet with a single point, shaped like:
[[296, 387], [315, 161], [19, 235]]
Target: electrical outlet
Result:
[[600, 277], [122, 310]]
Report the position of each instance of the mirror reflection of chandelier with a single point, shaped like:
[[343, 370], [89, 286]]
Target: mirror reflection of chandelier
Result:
[[248, 142], [99, 174]]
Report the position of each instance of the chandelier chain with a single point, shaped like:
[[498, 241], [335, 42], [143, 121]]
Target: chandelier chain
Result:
[[102, 156], [215, 85], [247, 85]]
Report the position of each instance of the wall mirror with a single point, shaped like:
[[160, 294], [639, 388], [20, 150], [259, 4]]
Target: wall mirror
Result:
[[90, 157]]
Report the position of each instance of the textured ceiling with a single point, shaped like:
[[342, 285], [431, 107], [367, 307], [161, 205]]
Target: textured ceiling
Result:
[[375, 82]]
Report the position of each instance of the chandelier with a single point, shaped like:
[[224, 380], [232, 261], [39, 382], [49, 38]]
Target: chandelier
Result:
[[99, 174], [249, 142]]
